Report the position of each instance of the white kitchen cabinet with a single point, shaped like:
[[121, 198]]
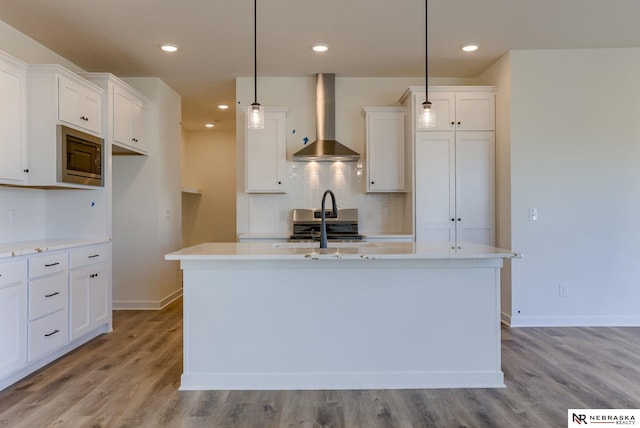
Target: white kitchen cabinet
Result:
[[454, 178], [385, 149], [127, 118], [48, 328], [265, 153], [50, 303], [454, 195], [13, 316], [89, 291], [13, 120], [469, 108], [79, 104], [130, 120], [56, 96]]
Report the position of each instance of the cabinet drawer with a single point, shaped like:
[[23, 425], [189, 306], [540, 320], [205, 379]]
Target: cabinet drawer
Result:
[[88, 255], [48, 295], [48, 263], [13, 271], [48, 333]]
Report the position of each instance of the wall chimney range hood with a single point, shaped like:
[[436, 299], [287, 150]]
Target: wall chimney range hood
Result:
[[326, 148]]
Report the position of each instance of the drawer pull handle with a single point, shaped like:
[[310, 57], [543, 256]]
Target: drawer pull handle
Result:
[[52, 264], [52, 294], [93, 275], [94, 256], [52, 333]]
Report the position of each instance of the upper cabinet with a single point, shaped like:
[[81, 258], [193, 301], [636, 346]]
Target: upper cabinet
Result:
[[79, 105], [127, 120], [13, 123], [56, 96], [385, 144], [266, 153], [467, 108]]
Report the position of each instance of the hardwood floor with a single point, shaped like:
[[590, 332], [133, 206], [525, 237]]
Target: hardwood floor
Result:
[[130, 378]]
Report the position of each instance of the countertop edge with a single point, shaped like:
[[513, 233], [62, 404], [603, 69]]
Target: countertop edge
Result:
[[25, 248]]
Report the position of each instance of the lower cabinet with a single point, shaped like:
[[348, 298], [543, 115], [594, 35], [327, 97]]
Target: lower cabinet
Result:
[[51, 303], [88, 299], [13, 316]]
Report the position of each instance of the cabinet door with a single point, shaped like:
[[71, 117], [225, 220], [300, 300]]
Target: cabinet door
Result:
[[88, 299], [475, 183], [139, 129], [91, 107], [266, 155], [435, 186], [475, 111], [122, 117], [78, 105], [13, 328], [385, 151], [12, 122]]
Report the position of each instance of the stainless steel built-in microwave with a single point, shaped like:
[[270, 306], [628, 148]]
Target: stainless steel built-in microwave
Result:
[[80, 157]]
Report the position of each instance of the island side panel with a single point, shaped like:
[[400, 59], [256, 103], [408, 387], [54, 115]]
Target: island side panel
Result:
[[341, 324]]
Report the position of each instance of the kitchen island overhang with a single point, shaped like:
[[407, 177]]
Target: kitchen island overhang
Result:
[[401, 315]]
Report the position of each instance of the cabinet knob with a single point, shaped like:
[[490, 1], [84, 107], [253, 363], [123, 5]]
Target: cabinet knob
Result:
[[459, 123], [459, 219], [279, 182], [373, 182], [453, 123], [26, 170], [453, 219]]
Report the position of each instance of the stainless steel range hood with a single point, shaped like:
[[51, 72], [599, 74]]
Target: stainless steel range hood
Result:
[[326, 148]]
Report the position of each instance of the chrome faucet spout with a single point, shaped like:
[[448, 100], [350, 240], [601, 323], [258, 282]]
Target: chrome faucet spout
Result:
[[323, 219]]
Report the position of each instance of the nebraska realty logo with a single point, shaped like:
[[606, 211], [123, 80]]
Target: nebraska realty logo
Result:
[[599, 417]]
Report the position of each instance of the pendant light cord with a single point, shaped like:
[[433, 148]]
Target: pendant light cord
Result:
[[426, 50], [255, 51]]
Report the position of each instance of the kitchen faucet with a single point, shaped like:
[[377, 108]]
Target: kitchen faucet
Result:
[[323, 222]]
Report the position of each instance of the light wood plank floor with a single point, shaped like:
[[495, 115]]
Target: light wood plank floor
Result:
[[130, 378]]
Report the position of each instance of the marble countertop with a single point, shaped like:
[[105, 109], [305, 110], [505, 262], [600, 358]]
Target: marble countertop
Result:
[[15, 249], [347, 250]]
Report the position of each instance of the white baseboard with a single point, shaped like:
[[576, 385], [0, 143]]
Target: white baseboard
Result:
[[128, 305], [572, 321]]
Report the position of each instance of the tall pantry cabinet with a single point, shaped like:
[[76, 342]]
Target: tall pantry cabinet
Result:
[[454, 191]]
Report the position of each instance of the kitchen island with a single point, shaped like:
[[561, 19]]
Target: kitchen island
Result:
[[351, 316]]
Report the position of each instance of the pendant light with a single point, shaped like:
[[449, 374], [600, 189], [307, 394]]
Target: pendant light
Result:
[[256, 113], [427, 115]]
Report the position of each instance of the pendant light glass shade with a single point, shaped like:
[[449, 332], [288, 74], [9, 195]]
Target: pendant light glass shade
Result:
[[256, 113], [427, 116], [256, 117]]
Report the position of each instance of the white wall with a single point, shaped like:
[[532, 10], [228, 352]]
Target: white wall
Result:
[[499, 74], [210, 216], [379, 213], [146, 207], [575, 156]]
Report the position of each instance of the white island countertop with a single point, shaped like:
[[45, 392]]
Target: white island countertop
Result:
[[289, 315], [347, 250]]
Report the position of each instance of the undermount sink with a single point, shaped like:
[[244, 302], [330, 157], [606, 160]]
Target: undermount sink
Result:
[[317, 245]]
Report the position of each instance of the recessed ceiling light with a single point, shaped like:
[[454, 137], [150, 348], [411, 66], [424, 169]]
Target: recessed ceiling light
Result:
[[320, 47], [209, 125], [167, 47], [223, 106], [470, 48]]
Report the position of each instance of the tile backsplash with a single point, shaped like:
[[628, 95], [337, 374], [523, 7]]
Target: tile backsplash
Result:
[[307, 181]]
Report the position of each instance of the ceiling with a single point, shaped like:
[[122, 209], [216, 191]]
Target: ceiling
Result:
[[366, 37]]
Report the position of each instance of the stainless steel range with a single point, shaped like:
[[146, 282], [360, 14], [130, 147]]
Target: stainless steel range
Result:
[[341, 227]]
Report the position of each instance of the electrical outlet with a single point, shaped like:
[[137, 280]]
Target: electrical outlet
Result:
[[533, 214], [563, 289]]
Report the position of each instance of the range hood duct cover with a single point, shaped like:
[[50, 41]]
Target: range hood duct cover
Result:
[[326, 148]]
